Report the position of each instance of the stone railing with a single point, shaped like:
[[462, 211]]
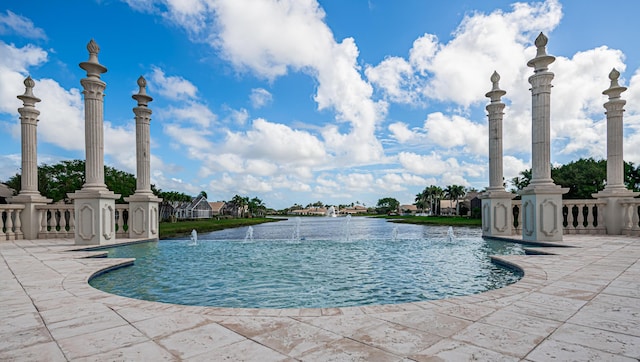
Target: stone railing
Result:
[[630, 216], [10, 222], [122, 221], [57, 221], [585, 216]]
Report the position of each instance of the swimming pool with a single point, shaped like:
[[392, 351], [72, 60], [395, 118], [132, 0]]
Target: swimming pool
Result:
[[311, 263]]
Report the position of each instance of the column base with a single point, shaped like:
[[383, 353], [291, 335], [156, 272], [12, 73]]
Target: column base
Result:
[[542, 213], [613, 217], [143, 216], [95, 216], [497, 213]]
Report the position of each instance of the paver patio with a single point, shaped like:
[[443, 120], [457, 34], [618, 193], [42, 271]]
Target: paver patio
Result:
[[583, 303]]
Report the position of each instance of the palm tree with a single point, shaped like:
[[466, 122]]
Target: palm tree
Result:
[[454, 193], [422, 198], [256, 207], [238, 204], [434, 195]]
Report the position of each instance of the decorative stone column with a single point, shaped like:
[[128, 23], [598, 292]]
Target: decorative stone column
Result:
[[29, 194], [496, 202], [542, 199], [615, 188], [94, 204], [143, 204]]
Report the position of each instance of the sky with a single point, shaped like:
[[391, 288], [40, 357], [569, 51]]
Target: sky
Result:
[[298, 101]]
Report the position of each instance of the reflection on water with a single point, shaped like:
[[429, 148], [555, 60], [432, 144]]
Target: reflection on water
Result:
[[333, 262]]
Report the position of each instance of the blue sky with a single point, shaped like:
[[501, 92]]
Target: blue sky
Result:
[[298, 101]]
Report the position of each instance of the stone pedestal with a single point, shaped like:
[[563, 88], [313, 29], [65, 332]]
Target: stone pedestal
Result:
[[542, 213], [143, 216], [30, 218], [613, 216], [95, 214], [497, 214]]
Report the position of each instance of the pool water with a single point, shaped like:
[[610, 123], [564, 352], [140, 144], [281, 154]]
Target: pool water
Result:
[[312, 263]]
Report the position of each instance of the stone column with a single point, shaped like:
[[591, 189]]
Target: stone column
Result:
[[542, 199], [615, 188], [29, 194], [94, 203], [496, 202], [143, 204]]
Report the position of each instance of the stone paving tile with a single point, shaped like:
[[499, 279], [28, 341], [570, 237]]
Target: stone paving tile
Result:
[[427, 321], [610, 316], [23, 337], [145, 351], [562, 351], [245, 350], [471, 312], [499, 339], [96, 343], [521, 322], [395, 338], [346, 349], [450, 350], [42, 352], [87, 324], [607, 341], [203, 339], [168, 324], [295, 339]]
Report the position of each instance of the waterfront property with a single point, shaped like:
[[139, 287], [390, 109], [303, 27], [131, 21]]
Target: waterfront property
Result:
[[579, 301]]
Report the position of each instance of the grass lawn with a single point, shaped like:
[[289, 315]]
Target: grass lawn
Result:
[[436, 220], [183, 228]]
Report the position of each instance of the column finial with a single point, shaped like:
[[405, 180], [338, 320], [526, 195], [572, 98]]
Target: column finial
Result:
[[28, 98], [142, 97], [496, 93], [615, 89], [542, 59], [93, 66]]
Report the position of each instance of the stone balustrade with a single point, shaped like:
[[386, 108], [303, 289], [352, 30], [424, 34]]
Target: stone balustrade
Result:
[[57, 221], [630, 216], [122, 221], [11, 222]]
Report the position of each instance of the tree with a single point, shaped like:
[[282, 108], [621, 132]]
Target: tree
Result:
[[237, 205], [57, 180], [387, 205], [421, 200], [256, 207], [583, 177], [454, 193]]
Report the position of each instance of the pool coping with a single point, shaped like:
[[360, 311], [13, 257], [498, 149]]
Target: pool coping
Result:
[[559, 305]]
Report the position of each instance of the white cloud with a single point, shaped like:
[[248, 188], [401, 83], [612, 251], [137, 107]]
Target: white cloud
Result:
[[172, 87], [20, 25], [276, 142], [260, 97]]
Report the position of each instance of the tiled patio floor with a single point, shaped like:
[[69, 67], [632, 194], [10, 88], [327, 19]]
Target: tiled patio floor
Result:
[[581, 304]]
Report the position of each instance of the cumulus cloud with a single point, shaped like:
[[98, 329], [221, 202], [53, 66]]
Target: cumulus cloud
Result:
[[260, 97], [172, 87], [11, 23]]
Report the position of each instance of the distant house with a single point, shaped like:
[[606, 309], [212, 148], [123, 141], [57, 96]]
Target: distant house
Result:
[[217, 207], [5, 193], [317, 211], [198, 208], [408, 209], [447, 207], [358, 209]]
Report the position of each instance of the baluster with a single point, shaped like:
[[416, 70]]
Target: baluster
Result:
[[580, 218], [18, 225], [635, 219], [3, 235], [593, 219], [42, 234], [626, 217], [119, 223], [9, 225], [63, 222], [72, 223]]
